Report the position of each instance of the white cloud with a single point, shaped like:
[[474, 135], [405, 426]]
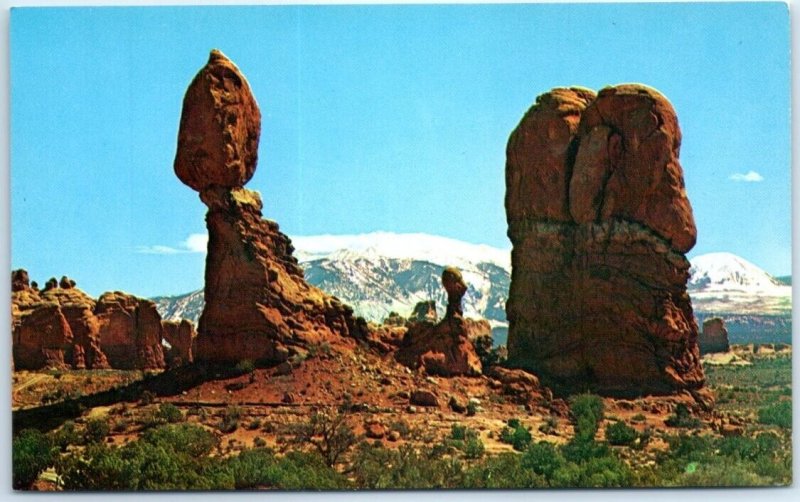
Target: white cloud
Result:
[[195, 243], [750, 177]]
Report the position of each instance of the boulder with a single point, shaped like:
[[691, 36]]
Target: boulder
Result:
[[600, 223], [424, 398], [714, 337], [258, 305], [219, 129], [130, 331]]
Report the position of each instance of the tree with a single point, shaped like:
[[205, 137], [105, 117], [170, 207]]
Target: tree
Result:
[[329, 433]]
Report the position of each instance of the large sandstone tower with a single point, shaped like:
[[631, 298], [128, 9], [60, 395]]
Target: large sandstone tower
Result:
[[258, 305], [600, 223]]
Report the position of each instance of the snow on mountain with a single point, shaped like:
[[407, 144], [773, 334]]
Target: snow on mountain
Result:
[[418, 247], [724, 282], [381, 272]]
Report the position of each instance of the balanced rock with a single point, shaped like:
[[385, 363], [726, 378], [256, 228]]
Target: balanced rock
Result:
[[599, 221], [445, 348], [714, 337], [258, 305], [130, 331], [220, 128]]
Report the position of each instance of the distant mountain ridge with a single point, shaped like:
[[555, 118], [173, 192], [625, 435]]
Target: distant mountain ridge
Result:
[[383, 272]]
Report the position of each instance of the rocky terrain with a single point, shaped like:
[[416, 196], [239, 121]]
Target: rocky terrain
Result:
[[63, 327], [600, 223]]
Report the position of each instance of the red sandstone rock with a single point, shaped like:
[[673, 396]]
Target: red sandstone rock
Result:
[[257, 303], [424, 398], [599, 221], [42, 338], [219, 129], [180, 336], [714, 337], [19, 280], [445, 348], [130, 331], [77, 308]]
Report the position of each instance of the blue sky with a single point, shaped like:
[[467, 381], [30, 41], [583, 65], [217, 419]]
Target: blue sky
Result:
[[387, 118]]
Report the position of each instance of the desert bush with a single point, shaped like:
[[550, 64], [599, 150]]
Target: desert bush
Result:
[[230, 419], [65, 436], [193, 440], [638, 418], [146, 398], [255, 424], [597, 472], [682, 418], [542, 458], [245, 366], [586, 412], [502, 471], [410, 469], [329, 433], [169, 413], [96, 430], [458, 432], [472, 408], [259, 442], [31, 453], [517, 435], [779, 414], [549, 425], [473, 448], [620, 434]]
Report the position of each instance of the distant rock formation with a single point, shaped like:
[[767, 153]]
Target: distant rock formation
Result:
[[130, 331], [714, 337], [445, 348], [180, 336], [63, 327], [54, 328], [599, 221], [257, 303]]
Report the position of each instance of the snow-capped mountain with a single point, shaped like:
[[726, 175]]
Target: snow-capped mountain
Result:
[[724, 282], [381, 272]]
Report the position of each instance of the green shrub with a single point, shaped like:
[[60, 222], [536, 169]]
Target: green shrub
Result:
[[147, 397], [597, 472], [586, 412], [245, 366], [329, 433], [472, 408], [620, 434], [66, 435], [518, 437], [410, 468], [638, 418], [473, 448], [169, 413], [31, 453], [458, 432], [542, 458], [193, 440], [502, 471], [514, 423], [230, 419], [779, 414], [682, 418], [96, 430]]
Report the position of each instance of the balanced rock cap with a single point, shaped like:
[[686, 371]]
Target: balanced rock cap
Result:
[[219, 129]]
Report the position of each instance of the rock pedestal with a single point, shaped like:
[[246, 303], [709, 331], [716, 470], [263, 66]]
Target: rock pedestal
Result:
[[257, 303], [599, 221], [445, 348]]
